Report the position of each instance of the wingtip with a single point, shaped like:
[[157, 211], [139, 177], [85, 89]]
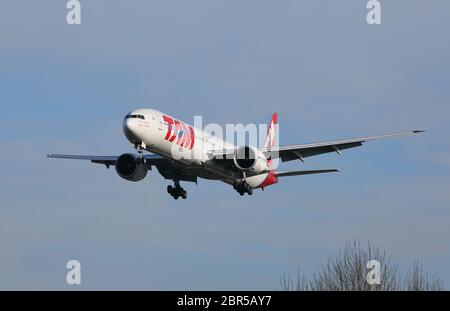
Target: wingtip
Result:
[[419, 131]]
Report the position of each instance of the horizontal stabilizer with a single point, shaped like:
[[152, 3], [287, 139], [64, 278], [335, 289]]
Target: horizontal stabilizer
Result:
[[296, 173]]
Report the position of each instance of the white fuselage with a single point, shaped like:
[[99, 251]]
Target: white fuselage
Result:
[[191, 147]]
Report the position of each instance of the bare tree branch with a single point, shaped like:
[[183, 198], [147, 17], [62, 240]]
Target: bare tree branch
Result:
[[347, 272]]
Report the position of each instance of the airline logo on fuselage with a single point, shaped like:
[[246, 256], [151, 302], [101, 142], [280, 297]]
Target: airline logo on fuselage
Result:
[[180, 133]]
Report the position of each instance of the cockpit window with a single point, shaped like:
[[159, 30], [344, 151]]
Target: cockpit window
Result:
[[134, 116]]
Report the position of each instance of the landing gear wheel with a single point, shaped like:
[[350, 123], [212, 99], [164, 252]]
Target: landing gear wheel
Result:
[[242, 187], [177, 191]]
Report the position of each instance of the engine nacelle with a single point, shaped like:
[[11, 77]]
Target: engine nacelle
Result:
[[248, 158], [131, 167]]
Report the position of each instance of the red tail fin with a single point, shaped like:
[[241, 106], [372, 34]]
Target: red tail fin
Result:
[[271, 131], [270, 142]]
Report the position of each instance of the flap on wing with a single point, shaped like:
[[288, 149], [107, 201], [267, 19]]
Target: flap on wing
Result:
[[301, 153], [309, 172]]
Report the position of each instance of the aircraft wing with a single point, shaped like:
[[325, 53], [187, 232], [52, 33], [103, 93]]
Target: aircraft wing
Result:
[[299, 152], [164, 165], [151, 159]]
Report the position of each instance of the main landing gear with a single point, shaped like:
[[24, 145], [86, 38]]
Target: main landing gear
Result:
[[242, 187], [176, 191]]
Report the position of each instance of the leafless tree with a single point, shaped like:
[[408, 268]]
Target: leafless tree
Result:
[[348, 272], [417, 280]]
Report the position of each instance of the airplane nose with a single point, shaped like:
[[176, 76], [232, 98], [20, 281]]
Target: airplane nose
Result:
[[130, 129]]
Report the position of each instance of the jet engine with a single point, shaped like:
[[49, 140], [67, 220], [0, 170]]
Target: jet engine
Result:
[[248, 158], [131, 167]]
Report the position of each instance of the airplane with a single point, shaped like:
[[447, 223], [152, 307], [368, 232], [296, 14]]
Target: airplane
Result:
[[244, 167]]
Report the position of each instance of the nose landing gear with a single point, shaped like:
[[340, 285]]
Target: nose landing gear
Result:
[[177, 191], [140, 147]]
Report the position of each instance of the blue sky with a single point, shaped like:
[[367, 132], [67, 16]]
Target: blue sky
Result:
[[327, 73]]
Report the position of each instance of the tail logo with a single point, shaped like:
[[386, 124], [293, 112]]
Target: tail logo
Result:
[[271, 132]]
